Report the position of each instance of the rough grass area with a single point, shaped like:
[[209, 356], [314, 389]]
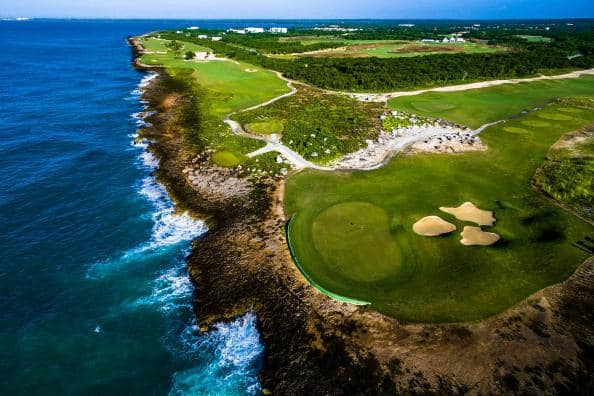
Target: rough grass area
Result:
[[321, 127], [480, 106], [437, 279], [568, 173], [214, 89]]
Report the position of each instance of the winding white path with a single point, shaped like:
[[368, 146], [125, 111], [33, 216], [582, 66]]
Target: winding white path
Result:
[[383, 97], [298, 162]]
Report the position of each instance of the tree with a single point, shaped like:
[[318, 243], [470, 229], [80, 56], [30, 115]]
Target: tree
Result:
[[190, 55]]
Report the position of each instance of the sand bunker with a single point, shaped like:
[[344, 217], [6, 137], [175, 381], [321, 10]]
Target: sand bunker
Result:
[[433, 226], [468, 212], [251, 70], [472, 236]]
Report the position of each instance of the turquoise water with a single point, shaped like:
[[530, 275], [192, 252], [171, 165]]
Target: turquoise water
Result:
[[95, 294]]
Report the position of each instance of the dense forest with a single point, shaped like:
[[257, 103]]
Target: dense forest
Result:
[[523, 59]]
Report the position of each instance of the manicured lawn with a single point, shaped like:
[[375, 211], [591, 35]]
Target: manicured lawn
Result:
[[225, 158], [536, 39], [265, 127], [480, 106], [395, 49], [158, 45], [224, 86], [352, 234]]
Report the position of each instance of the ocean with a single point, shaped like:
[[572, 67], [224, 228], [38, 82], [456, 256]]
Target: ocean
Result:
[[95, 295]]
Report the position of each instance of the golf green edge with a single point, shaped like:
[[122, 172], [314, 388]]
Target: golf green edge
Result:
[[328, 293]]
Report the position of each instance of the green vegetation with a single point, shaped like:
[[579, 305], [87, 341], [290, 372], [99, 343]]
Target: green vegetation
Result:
[[523, 59], [480, 106], [397, 49], [320, 127], [225, 158], [214, 89], [535, 39], [568, 173], [438, 279], [265, 127]]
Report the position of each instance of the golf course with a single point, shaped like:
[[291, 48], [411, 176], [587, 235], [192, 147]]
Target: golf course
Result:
[[351, 232]]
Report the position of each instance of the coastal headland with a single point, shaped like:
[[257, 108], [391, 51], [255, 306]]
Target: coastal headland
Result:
[[318, 345]]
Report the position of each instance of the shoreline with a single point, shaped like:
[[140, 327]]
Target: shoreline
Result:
[[316, 345]]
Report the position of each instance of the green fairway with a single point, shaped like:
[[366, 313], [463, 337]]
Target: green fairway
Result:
[[351, 232], [399, 48], [479, 106], [535, 39], [222, 87]]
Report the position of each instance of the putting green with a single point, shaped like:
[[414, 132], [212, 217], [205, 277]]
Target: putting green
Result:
[[555, 116], [536, 123], [572, 110], [225, 158], [351, 232], [377, 255], [516, 130], [266, 127], [433, 106]]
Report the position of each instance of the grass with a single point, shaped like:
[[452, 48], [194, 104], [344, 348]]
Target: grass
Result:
[[396, 49], [438, 279], [225, 158], [321, 127], [220, 87], [480, 106], [159, 45], [535, 39], [265, 127], [568, 173]]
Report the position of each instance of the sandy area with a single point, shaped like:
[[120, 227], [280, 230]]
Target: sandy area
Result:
[[433, 226], [472, 236], [469, 212], [450, 144]]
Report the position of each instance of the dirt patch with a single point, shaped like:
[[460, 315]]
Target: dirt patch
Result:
[[472, 236], [469, 212], [433, 226]]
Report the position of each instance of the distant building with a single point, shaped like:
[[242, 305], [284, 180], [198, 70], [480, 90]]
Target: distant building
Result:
[[202, 36], [216, 38], [460, 39], [238, 31], [279, 30], [193, 28], [406, 24], [254, 30]]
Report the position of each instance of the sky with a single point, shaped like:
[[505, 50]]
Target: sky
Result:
[[299, 9]]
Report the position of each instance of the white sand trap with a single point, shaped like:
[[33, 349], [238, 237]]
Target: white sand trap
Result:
[[468, 212], [433, 226], [472, 236], [251, 70]]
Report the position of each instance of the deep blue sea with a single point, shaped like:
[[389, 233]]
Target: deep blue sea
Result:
[[95, 297]]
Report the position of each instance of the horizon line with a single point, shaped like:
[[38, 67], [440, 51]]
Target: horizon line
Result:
[[9, 18]]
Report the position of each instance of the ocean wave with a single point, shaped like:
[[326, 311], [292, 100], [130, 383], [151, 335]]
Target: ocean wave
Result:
[[230, 354], [169, 228], [146, 80], [172, 290]]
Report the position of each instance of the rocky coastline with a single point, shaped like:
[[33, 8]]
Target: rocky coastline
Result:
[[316, 345]]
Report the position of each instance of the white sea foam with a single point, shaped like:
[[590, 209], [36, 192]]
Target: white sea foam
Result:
[[230, 356]]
